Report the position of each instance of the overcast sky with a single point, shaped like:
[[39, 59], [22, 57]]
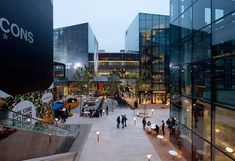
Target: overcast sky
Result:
[[108, 19]]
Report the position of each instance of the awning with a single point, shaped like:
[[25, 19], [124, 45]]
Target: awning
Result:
[[57, 106]]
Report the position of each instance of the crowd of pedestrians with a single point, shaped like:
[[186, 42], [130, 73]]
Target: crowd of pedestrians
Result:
[[157, 127], [121, 120]]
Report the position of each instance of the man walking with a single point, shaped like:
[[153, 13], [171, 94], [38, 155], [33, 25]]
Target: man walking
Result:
[[118, 121], [163, 128], [125, 119]]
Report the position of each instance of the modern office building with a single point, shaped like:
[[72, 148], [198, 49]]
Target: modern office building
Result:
[[148, 35], [72, 46], [123, 64], [26, 46], [202, 66]]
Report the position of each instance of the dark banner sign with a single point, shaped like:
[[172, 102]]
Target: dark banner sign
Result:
[[26, 45]]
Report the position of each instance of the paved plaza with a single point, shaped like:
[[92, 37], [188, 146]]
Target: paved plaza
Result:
[[130, 143]]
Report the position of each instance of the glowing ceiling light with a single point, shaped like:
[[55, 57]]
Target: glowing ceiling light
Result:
[[228, 149], [217, 130]]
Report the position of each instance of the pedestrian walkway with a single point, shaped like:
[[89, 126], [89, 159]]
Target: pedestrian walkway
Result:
[[114, 144]]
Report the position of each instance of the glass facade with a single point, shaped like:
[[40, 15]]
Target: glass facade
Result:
[[72, 46], [202, 74], [126, 65], [149, 35]]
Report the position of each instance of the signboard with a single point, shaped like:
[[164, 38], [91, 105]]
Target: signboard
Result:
[[24, 108], [46, 98], [26, 45]]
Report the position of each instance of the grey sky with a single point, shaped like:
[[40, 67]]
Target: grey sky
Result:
[[108, 19]]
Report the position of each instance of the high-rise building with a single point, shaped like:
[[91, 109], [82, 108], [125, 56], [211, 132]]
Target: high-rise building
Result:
[[148, 35], [72, 46], [202, 66]]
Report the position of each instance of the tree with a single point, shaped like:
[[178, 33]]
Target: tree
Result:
[[113, 81], [83, 76], [138, 86]]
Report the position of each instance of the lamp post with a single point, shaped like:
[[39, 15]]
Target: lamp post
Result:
[[149, 156], [152, 111], [134, 120], [56, 121], [49, 138], [98, 135]]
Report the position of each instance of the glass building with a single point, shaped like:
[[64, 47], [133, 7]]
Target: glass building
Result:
[[148, 35], [72, 46], [126, 64], [202, 67]]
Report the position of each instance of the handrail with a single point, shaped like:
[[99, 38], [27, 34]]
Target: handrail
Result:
[[42, 121]]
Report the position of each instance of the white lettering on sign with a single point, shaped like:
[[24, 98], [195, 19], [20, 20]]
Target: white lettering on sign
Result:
[[15, 30], [25, 108], [47, 97]]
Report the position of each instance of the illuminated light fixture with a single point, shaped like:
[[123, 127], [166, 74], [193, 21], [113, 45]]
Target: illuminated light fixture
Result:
[[187, 110], [217, 130], [98, 135], [149, 156], [28, 119], [228, 149], [194, 104], [134, 120]]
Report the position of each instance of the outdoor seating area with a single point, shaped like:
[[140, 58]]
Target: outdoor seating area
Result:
[[90, 107]]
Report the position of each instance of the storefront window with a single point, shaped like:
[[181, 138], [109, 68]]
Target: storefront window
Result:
[[219, 156], [201, 149], [225, 129], [202, 119]]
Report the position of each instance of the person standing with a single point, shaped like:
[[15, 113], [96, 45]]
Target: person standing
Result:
[[157, 129], [100, 110], [163, 128], [118, 121], [144, 122], [125, 119], [107, 110]]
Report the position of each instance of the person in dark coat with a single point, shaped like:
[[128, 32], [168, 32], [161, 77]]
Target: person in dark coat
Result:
[[100, 110], [118, 121], [163, 128], [107, 110], [144, 122], [90, 110], [123, 120], [157, 129], [63, 117]]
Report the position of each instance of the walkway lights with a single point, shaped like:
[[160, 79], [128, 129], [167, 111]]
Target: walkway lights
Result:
[[149, 156], [98, 135]]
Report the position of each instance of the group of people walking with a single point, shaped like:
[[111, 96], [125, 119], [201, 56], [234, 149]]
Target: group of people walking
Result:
[[121, 120], [144, 122]]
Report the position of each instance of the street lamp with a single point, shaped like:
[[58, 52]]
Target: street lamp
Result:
[[49, 138], [149, 156], [134, 120], [98, 135], [152, 111], [56, 120]]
